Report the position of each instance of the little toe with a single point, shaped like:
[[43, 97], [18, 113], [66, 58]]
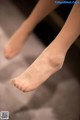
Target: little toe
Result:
[[23, 89]]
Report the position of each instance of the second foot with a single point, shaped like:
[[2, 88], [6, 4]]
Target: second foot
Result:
[[42, 68], [12, 49], [16, 41]]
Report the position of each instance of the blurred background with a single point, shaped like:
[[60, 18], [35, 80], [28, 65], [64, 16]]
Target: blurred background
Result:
[[59, 97]]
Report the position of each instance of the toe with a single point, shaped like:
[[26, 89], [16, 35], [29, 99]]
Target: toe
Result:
[[23, 88], [15, 84], [7, 53], [12, 82]]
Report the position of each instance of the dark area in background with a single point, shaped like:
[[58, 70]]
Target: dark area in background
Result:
[[44, 30]]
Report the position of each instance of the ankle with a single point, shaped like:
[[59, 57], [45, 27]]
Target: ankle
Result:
[[56, 61]]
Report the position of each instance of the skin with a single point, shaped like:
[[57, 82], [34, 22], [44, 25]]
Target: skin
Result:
[[52, 58], [41, 10]]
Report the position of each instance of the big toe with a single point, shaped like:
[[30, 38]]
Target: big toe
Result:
[[13, 81], [7, 52], [10, 53]]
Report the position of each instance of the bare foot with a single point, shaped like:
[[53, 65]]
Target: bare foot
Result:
[[16, 41], [41, 69]]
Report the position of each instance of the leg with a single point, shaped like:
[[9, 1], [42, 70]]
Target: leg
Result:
[[42, 9], [52, 58]]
